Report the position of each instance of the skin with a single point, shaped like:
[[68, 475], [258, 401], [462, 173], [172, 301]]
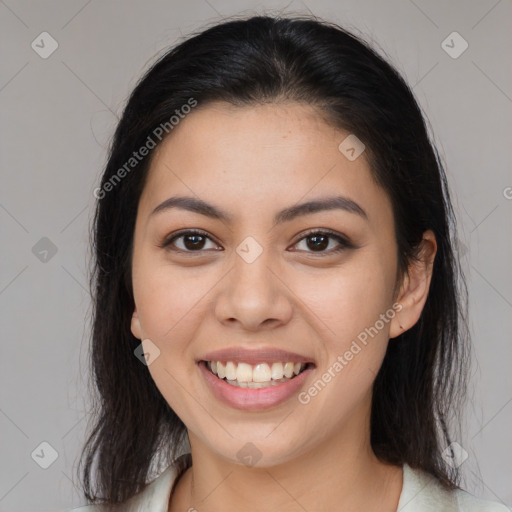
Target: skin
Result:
[[252, 162]]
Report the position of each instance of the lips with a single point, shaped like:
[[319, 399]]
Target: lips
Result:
[[254, 357], [274, 376]]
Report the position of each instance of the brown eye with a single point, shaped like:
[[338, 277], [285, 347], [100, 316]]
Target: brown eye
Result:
[[193, 241], [188, 241], [319, 241]]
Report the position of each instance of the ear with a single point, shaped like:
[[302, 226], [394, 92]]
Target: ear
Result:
[[135, 325], [414, 287]]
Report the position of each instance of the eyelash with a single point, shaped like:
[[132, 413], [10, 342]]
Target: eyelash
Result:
[[343, 242]]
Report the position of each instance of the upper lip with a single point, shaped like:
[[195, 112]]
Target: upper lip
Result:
[[255, 356]]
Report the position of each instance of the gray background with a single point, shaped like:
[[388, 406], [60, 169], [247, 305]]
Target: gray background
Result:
[[57, 116]]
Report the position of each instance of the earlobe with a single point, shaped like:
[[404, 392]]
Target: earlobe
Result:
[[135, 325], [415, 286]]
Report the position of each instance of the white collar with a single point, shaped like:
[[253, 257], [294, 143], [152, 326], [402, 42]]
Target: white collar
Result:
[[421, 492]]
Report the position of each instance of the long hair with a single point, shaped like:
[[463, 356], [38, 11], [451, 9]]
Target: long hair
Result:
[[265, 59]]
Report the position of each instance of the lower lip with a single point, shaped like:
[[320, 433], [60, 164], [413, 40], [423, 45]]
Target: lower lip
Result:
[[253, 399]]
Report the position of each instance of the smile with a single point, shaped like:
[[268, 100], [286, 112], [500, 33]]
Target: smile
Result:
[[262, 375], [255, 387]]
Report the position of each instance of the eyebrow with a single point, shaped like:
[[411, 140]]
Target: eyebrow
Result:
[[196, 205]]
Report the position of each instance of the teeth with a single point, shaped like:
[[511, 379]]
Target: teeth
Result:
[[243, 372], [221, 370], [258, 376], [230, 371], [261, 373], [277, 371], [288, 370]]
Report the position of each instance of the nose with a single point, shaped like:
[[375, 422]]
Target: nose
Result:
[[253, 296]]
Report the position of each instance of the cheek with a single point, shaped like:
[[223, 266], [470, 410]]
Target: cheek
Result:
[[355, 306], [170, 305], [349, 299], [348, 305], [169, 300]]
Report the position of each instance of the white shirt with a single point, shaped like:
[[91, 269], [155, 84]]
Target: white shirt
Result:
[[421, 492]]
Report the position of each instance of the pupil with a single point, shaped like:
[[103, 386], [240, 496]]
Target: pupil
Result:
[[320, 242], [194, 245]]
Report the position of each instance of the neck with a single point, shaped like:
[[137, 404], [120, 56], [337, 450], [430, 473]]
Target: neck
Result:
[[342, 474]]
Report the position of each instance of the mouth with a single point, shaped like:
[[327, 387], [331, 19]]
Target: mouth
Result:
[[254, 380], [256, 376]]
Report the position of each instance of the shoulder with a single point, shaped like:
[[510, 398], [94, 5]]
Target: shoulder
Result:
[[155, 496], [469, 503], [421, 492]]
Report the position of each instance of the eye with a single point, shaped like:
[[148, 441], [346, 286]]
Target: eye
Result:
[[190, 241], [316, 241], [319, 241]]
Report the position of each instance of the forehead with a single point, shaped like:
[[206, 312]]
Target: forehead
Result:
[[259, 157]]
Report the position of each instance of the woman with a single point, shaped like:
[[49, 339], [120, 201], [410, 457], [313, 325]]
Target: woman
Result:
[[278, 310]]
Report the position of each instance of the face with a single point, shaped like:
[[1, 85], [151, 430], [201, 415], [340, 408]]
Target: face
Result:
[[264, 287]]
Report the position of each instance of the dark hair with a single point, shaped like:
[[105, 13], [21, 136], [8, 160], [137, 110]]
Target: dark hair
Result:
[[265, 59]]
